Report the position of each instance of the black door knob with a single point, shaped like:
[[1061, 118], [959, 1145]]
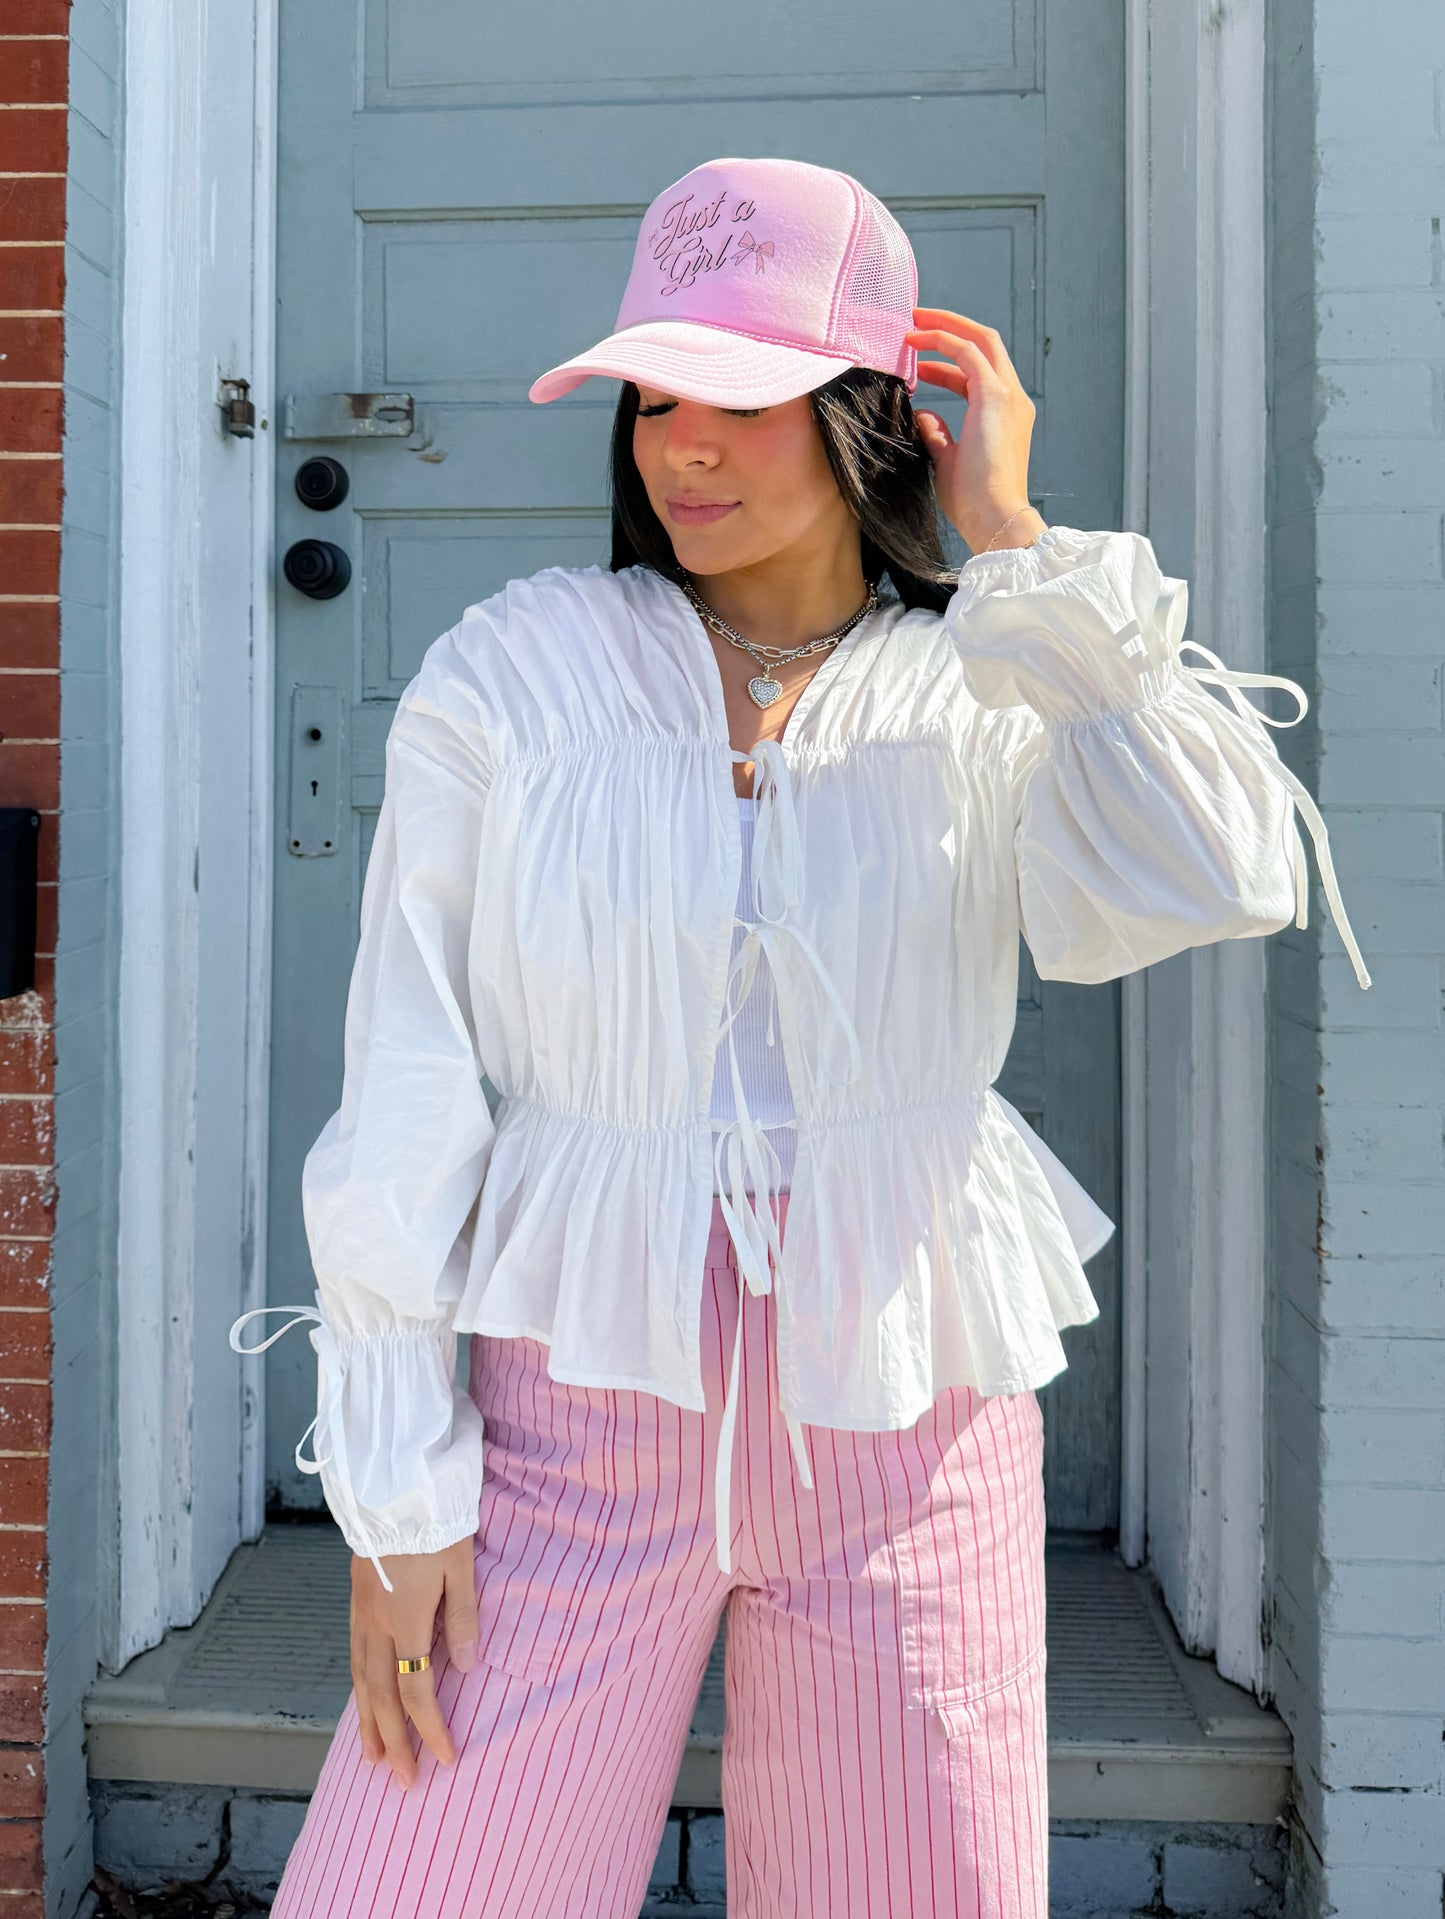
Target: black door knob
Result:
[[322, 483], [317, 569]]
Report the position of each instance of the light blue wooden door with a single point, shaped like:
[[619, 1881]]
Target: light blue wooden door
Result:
[[460, 188]]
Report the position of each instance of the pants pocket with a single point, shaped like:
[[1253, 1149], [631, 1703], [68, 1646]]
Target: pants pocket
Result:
[[538, 1607], [972, 1717], [579, 1496], [964, 1490]]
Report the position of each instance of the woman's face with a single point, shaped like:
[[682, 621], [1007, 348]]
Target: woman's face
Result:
[[766, 463]]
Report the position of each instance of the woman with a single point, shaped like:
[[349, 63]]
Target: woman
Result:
[[727, 788]]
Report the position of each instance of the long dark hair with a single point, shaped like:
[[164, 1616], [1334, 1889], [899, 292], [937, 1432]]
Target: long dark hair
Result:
[[883, 470]]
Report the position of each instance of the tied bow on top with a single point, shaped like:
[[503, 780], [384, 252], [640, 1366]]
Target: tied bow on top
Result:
[[742, 1149]]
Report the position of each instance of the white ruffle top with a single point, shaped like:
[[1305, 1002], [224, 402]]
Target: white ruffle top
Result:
[[551, 900]]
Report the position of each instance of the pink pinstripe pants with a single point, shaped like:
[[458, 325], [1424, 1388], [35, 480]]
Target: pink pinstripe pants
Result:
[[884, 1751]]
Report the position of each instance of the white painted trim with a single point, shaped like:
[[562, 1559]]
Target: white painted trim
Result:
[[1134, 1277], [1133, 1263], [160, 798], [1228, 1298], [194, 893], [260, 930], [1230, 1238], [1205, 1057]]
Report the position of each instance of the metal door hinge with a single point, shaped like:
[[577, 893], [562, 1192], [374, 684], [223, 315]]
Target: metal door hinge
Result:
[[348, 416]]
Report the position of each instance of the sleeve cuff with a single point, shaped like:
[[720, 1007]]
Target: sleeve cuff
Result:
[[373, 1541], [398, 1445], [1079, 626]]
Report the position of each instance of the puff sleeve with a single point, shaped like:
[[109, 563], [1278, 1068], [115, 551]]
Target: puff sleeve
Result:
[[1150, 815], [389, 1187]]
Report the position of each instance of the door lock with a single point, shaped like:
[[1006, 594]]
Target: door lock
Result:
[[322, 483], [317, 568]]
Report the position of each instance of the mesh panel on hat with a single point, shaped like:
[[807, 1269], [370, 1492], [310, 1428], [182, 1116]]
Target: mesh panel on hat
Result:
[[878, 293]]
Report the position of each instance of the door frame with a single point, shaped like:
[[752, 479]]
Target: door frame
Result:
[[1196, 1140], [1194, 1273], [195, 562]]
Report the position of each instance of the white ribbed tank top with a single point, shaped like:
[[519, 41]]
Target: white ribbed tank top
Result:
[[762, 1067]]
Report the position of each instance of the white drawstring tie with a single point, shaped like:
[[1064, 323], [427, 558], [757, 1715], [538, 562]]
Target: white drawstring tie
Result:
[[1171, 613], [742, 1149], [330, 1410], [1218, 674]]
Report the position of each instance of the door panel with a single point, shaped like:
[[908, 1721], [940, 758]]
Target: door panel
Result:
[[451, 53], [460, 191], [421, 570]]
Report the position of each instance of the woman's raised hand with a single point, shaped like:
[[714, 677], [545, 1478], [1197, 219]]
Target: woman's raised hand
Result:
[[981, 478], [387, 1626]]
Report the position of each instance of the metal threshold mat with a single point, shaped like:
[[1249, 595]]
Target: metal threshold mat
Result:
[[249, 1696]]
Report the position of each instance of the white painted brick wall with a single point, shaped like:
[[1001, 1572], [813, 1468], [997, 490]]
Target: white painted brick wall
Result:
[[1357, 370]]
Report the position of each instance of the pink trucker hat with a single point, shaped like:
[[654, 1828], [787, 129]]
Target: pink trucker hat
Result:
[[754, 281]]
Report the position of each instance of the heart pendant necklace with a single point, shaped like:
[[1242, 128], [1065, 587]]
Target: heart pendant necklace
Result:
[[763, 689]]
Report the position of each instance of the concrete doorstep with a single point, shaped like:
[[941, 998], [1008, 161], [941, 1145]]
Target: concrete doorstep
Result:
[[1167, 1785]]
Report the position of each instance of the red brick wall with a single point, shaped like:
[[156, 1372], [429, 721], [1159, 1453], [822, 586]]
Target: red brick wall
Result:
[[34, 66]]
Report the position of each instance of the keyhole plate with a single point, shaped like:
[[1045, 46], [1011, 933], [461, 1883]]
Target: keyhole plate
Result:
[[313, 829]]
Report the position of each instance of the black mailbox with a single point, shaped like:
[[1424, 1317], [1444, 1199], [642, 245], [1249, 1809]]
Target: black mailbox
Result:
[[19, 870]]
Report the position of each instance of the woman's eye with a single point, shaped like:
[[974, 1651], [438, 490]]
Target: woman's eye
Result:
[[666, 405]]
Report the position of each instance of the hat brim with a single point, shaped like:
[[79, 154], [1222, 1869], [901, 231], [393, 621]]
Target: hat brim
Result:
[[696, 362]]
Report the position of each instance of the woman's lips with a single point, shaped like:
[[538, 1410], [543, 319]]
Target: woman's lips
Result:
[[698, 515]]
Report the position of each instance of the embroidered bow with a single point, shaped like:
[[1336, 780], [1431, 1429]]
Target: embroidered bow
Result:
[[758, 248]]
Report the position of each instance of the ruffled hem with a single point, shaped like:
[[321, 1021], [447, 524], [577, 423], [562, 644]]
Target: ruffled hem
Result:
[[961, 1273], [1055, 538], [585, 1236], [1088, 1225], [965, 1275]]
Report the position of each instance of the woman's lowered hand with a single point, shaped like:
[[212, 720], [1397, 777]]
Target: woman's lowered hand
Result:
[[386, 1626]]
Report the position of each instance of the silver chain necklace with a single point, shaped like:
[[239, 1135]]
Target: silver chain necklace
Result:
[[764, 688]]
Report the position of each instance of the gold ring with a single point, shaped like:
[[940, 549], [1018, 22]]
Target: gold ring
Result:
[[414, 1665]]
